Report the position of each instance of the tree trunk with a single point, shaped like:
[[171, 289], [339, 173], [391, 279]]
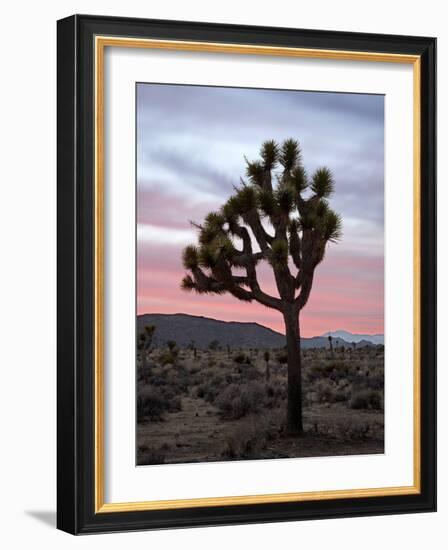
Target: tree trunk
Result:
[[294, 415]]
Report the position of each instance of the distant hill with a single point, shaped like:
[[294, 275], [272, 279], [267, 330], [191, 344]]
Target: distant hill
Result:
[[350, 337], [185, 329]]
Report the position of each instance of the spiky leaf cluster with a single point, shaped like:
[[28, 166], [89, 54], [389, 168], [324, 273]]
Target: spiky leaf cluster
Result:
[[322, 184], [255, 172], [290, 154], [269, 153]]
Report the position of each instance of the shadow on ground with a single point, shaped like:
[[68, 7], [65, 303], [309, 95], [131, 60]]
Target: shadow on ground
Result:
[[48, 517]]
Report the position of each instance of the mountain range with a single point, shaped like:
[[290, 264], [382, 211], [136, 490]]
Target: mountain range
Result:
[[187, 329], [350, 337]]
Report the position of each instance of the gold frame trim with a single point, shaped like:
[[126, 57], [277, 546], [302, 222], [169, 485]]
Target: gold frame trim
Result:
[[101, 42]]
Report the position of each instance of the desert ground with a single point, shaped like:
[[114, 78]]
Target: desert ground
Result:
[[196, 405]]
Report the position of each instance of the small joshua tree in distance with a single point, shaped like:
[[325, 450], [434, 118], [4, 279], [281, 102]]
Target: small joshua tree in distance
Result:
[[214, 345], [145, 338], [286, 216], [330, 339], [171, 345], [144, 343], [267, 356]]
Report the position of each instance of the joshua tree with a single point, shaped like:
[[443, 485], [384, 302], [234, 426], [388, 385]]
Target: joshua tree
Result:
[[171, 345], [280, 216], [144, 341], [170, 357], [192, 347], [214, 345], [330, 339], [267, 356]]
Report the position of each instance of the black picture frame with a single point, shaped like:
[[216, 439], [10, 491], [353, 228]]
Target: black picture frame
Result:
[[76, 271]]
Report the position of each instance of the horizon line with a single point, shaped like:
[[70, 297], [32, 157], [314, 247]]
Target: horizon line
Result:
[[259, 324]]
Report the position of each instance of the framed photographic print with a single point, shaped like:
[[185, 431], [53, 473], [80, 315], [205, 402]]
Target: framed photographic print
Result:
[[246, 274]]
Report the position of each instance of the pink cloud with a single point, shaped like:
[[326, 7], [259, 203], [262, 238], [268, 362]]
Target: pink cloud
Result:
[[158, 207], [348, 293]]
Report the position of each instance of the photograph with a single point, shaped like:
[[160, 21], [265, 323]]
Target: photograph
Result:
[[259, 273]]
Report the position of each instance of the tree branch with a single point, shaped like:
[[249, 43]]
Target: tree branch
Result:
[[206, 284], [301, 240], [306, 285], [241, 259], [248, 259], [252, 219], [265, 299]]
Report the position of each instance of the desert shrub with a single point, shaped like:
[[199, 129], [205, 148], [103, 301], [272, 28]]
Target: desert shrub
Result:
[[241, 358], [275, 393], [252, 397], [236, 401], [367, 399], [244, 442], [349, 429], [145, 369], [337, 371], [342, 394], [179, 378], [316, 372], [158, 379], [168, 358], [282, 358], [325, 393], [147, 456], [355, 431], [195, 370], [214, 345], [249, 372], [217, 381], [332, 370], [375, 382], [152, 403], [211, 389], [249, 437], [358, 402], [176, 379], [211, 393], [228, 400]]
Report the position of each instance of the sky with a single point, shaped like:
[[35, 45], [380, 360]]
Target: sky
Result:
[[191, 144]]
